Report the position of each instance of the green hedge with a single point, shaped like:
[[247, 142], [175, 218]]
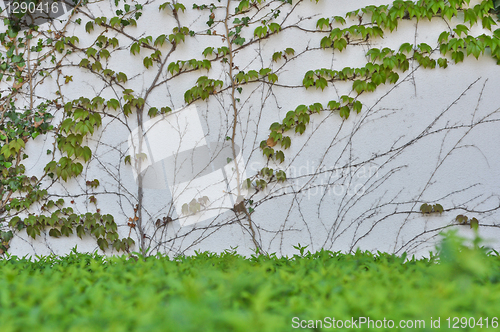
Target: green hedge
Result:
[[227, 292]]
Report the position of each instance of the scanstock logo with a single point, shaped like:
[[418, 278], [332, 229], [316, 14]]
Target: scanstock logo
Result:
[[26, 13], [173, 159]]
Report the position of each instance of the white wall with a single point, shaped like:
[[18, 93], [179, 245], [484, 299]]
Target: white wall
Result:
[[431, 138]]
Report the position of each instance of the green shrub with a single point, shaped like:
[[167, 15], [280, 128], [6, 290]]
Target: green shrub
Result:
[[228, 292]]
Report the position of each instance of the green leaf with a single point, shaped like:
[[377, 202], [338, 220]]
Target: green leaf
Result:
[[135, 48], [274, 27], [323, 22], [333, 105], [460, 28], [160, 40], [113, 103], [425, 48], [165, 110], [121, 77], [208, 51], [163, 6], [54, 232], [393, 77], [321, 83], [442, 62], [280, 156], [443, 37], [153, 111], [340, 44], [458, 56], [84, 63], [277, 56], [474, 224], [461, 219], [102, 243], [359, 86], [87, 153], [286, 142], [148, 62], [273, 78], [89, 26], [80, 231], [344, 112], [438, 208], [357, 106]]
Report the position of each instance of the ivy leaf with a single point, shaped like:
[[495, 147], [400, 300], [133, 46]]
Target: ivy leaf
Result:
[[115, 21], [322, 22], [443, 37], [425, 48], [461, 219], [148, 62], [425, 208], [321, 83], [102, 243], [374, 53], [458, 56], [344, 112], [276, 56], [80, 231], [359, 86], [339, 19], [160, 40], [121, 77], [393, 77], [442, 62], [406, 48], [378, 78], [54, 232], [280, 156], [438, 208], [274, 27], [460, 28], [84, 63], [113, 103], [153, 111], [86, 153], [208, 51], [474, 224], [89, 26], [66, 231], [326, 42], [340, 44], [357, 106], [135, 48], [264, 71], [333, 105], [286, 142], [165, 110], [260, 31]]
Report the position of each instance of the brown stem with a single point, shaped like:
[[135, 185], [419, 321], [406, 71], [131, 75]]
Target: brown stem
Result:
[[235, 123]]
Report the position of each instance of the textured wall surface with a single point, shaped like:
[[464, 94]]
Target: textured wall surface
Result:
[[432, 137]]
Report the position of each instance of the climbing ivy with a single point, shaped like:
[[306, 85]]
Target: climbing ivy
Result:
[[384, 66], [27, 202]]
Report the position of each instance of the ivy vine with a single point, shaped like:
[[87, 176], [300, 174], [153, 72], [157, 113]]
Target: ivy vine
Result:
[[27, 203]]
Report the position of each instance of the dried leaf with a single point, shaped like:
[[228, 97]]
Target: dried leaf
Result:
[[270, 142]]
